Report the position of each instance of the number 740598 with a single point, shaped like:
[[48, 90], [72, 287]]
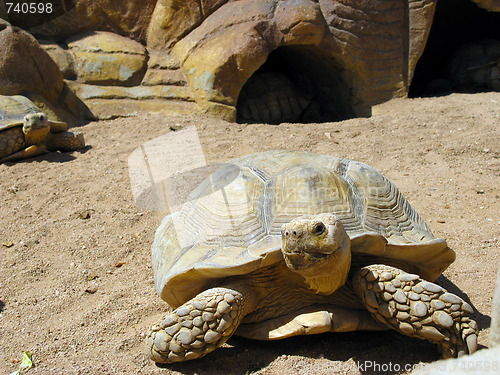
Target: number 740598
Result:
[[29, 8]]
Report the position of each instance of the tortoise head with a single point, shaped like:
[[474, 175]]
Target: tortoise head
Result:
[[318, 248], [35, 127]]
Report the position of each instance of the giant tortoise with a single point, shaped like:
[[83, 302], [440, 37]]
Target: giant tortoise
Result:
[[25, 131], [286, 243]]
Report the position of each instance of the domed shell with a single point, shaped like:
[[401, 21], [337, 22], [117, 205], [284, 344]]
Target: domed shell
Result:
[[13, 109], [231, 223]]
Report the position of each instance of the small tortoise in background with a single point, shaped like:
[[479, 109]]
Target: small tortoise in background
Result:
[[286, 243], [25, 131]]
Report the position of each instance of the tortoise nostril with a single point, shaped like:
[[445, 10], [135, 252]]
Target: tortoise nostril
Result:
[[294, 232]]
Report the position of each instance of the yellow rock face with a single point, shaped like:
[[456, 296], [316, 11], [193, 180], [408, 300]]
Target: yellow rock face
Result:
[[108, 59], [218, 60], [173, 19]]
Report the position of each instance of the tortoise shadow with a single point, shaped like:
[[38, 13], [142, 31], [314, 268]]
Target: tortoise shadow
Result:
[[367, 352], [51, 157], [2, 305], [63, 157], [385, 352], [483, 321]]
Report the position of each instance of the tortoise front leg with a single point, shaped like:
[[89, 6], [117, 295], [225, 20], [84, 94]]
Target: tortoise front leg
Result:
[[418, 308], [199, 326], [28, 152]]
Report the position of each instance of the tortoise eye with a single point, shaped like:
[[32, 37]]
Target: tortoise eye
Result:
[[319, 229]]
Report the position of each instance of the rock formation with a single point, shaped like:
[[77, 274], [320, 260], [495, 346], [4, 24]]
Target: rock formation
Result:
[[25, 66], [340, 56]]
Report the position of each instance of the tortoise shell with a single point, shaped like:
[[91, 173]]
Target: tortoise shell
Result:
[[231, 223], [13, 109]]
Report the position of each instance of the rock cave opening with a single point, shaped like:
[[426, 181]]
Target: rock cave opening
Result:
[[456, 23], [295, 84]]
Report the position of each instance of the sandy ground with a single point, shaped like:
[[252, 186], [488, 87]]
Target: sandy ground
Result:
[[76, 283]]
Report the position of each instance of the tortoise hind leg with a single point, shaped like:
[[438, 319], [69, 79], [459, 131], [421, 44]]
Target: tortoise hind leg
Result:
[[65, 141], [197, 327], [417, 308]]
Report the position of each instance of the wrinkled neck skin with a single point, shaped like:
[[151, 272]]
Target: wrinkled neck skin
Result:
[[36, 137], [332, 275]]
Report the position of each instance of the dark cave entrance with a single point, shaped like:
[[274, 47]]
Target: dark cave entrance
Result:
[[295, 84], [456, 22]]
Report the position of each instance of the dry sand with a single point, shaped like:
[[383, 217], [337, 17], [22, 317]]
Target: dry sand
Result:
[[76, 283]]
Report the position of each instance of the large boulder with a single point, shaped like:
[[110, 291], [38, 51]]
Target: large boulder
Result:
[[105, 58], [221, 54], [25, 66], [62, 56], [125, 17], [341, 55], [27, 69], [173, 19]]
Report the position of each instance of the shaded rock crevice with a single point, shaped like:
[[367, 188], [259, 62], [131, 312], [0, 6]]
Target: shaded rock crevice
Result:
[[295, 84]]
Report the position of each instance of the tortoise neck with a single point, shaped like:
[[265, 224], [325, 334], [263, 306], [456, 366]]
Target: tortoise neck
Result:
[[332, 274], [36, 137]]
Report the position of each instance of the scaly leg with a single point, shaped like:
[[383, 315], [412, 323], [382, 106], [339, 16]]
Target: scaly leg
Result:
[[199, 326], [65, 141], [28, 152], [417, 308]]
